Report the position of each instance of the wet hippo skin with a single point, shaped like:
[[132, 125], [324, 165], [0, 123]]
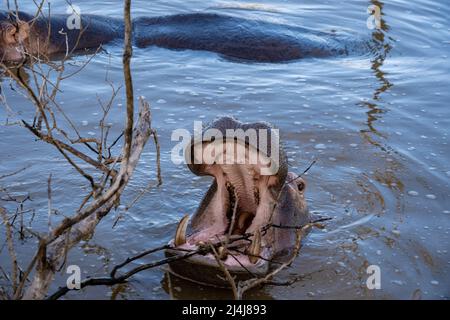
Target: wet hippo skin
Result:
[[231, 37]]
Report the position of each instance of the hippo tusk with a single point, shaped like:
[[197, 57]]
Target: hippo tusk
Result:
[[222, 252], [180, 234]]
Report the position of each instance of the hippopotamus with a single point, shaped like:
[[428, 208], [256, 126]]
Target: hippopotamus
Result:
[[232, 37], [23, 34], [240, 201]]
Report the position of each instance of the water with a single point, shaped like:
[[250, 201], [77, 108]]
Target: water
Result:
[[377, 123]]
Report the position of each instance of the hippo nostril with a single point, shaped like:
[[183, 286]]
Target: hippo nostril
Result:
[[301, 186]]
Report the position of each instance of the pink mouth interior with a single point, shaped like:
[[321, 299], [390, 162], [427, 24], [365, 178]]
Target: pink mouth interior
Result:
[[239, 186]]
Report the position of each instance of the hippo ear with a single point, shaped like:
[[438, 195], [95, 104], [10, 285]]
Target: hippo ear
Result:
[[24, 31], [9, 33]]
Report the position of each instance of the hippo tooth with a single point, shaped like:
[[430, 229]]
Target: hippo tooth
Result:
[[180, 235], [255, 248], [222, 252]]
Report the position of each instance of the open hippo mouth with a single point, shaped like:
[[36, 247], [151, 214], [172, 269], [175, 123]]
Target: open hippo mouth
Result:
[[236, 210]]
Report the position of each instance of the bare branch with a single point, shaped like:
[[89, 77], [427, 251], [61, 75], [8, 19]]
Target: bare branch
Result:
[[14, 173], [83, 224], [246, 285], [63, 146], [49, 200], [128, 51], [12, 252], [226, 272]]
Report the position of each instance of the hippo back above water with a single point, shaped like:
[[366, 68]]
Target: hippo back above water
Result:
[[236, 38]]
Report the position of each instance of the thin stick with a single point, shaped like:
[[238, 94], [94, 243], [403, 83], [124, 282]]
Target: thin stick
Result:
[[49, 196], [225, 271], [252, 283], [128, 52], [14, 173], [128, 260], [12, 252]]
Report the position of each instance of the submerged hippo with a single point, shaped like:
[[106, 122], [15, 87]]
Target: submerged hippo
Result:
[[240, 189], [232, 37]]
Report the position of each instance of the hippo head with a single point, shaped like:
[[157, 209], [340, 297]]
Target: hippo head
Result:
[[247, 195], [13, 33]]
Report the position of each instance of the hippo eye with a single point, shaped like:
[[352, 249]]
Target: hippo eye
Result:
[[301, 186]]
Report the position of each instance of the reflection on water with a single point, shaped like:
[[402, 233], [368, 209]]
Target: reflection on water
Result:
[[378, 36], [377, 124]]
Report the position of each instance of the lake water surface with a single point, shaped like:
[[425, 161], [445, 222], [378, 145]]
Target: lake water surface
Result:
[[377, 123]]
